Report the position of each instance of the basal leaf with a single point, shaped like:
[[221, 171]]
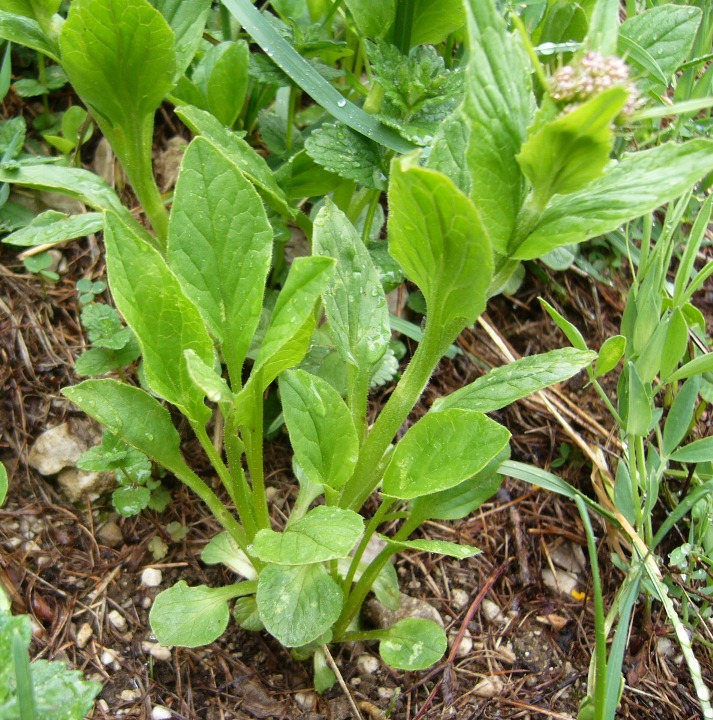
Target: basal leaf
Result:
[[207, 378], [220, 247], [54, 227], [60, 693], [165, 321], [297, 604], [321, 429], [438, 238], [566, 154], [441, 451], [324, 533], [499, 105], [413, 644], [438, 547], [241, 153], [504, 385], [448, 151], [636, 185], [125, 45], [132, 415], [373, 18], [435, 20], [187, 19], [193, 616], [27, 31], [223, 549], [354, 300]]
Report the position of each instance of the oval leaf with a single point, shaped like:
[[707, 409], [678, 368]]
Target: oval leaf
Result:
[[437, 547], [696, 452], [413, 644]]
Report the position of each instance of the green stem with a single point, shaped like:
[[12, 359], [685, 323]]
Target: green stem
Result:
[[403, 25], [291, 107], [530, 50], [234, 449], [357, 396], [369, 219], [254, 455], [367, 473]]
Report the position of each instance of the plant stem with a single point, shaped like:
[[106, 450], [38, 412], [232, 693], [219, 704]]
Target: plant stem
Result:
[[403, 25], [244, 502], [254, 455]]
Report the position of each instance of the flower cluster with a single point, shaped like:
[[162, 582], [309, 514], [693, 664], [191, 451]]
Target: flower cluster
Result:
[[594, 73]]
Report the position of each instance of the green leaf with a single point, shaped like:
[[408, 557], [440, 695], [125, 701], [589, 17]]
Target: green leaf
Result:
[[298, 604], [104, 327], [437, 547], [566, 154], [448, 151], [223, 549], [125, 45], [165, 321], [373, 18], [611, 351], [506, 384], [241, 153], [132, 415], [26, 31], [680, 416], [246, 614], [413, 644], [698, 451], [98, 361], [321, 429], [128, 501], [193, 616], [697, 366], [324, 533], [499, 105], [441, 451], [61, 694], [639, 413], [639, 183], [4, 484], [354, 301], [570, 330], [437, 237], [676, 343], [286, 341], [349, 154], [666, 34], [435, 20], [207, 378], [603, 28], [187, 19], [220, 247]]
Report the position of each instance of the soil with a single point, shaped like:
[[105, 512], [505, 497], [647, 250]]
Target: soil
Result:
[[518, 647]]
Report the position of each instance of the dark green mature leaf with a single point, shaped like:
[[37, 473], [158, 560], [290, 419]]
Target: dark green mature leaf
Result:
[[499, 105], [504, 385], [241, 153], [349, 154], [324, 533], [413, 644], [132, 415], [354, 300], [297, 604], [321, 429], [193, 616], [441, 451], [448, 152], [220, 247], [666, 33], [435, 20], [373, 18], [27, 31], [165, 321], [438, 238], [54, 227], [125, 45], [187, 19], [636, 185]]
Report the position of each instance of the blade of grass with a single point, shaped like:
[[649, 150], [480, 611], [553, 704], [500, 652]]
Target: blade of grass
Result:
[[304, 75]]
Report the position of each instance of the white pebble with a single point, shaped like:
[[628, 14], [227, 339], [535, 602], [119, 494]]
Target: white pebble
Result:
[[83, 635], [117, 620], [459, 598], [367, 664], [466, 644], [129, 695], [492, 612], [151, 577], [385, 693], [159, 712], [146, 603], [305, 700], [490, 687], [156, 650], [108, 657]]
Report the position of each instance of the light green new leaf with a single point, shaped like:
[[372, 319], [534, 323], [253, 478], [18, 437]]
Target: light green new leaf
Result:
[[441, 451], [193, 616], [666, 33], [504, 385], [55, 227], [680, 416], [697, 366], [165, 321], [241, 153], [639, 410], [286, 341], [223, 549], [438, 238], [698, 451], [676, 342], [413, 644], [610, 353], [499, 105], [4, 484], [37, 9], [297, 604], [435, 20], [437, 547], [125, 45], [321, 429], [354, 300], [220, 247], [603, 28], [207, 378], [373, 18], [324, 533], [569, 329], [26, 31], [634, 186], [566, 154], [132, 415], [187, 19]]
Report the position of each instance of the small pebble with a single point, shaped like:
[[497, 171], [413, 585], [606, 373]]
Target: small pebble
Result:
[[130, 695], [466, 644], [385, 693], [156, 650], [110, 534], [83, 634], [459, 598], [492, 612], [305, 700], [117, 620], [159, 712], [109, 658], [367, 664], [490, 687], [146, 603], [151, 577]]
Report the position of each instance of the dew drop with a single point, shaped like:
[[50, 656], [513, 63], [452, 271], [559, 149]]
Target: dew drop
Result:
[[342, 103]]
